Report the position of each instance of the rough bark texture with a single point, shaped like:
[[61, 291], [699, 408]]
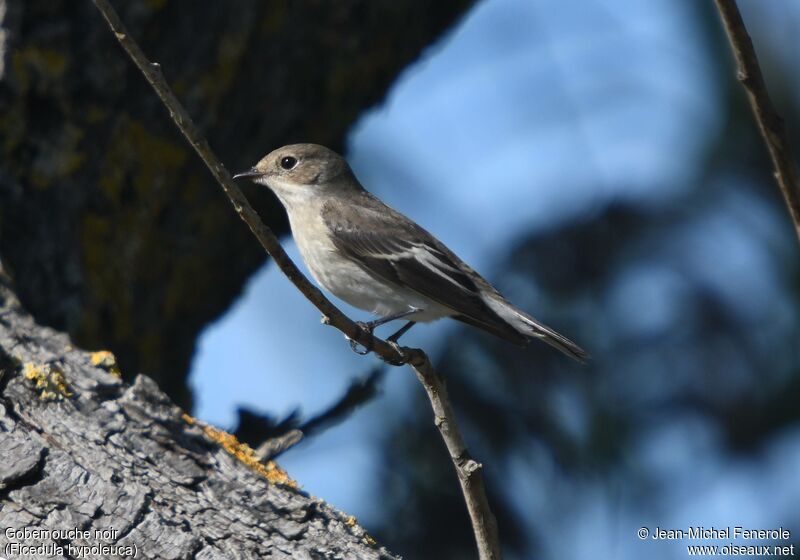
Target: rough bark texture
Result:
[[111, 229], [122, 457]]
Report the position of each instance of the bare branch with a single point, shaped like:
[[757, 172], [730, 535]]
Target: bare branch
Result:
[[769, 122], [281, 436], [358, 392], [483, 523], [270, 449]]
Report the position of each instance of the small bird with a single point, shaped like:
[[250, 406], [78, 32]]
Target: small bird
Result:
[[376, 259]]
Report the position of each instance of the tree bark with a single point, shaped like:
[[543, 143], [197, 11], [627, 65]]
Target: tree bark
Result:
[[84, 450], [111, 229]]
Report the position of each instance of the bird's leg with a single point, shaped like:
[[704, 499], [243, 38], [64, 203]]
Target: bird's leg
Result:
[[392, 341], [403, 330], [370, 326]]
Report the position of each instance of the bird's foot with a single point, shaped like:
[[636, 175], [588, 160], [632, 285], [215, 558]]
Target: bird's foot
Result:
[[400, 351], [370, 326], [367, 327]]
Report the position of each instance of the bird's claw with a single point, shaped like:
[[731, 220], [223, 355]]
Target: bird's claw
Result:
[[354, 345], [362, 350], [399, 349]]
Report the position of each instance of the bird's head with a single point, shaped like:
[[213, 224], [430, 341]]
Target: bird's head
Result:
[[300, 170]]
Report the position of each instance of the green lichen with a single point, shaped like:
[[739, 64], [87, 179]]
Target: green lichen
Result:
[[37, 66], [141, 175], [156, 5], [61, 158], [274, 17], [38, 71], [96, 114], [140, 158], [219, 80]]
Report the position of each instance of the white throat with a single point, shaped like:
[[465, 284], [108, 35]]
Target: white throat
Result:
[[294, 197]]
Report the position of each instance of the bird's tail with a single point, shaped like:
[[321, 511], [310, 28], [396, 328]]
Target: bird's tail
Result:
[[530, 328], [535, 329], [518, 327]]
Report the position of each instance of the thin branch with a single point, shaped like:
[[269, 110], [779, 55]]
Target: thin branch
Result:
[[358, 392], [280, 436], [469, 472], [769, 122], [484, 524], [270, 449]]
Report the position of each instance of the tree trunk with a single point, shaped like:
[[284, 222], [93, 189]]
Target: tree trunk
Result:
[[82, 450]]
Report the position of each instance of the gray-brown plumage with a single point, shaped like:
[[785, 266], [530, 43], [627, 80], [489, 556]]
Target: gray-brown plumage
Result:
[[376, 259]]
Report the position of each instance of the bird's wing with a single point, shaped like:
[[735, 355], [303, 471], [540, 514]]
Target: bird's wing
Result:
[[398, 250]]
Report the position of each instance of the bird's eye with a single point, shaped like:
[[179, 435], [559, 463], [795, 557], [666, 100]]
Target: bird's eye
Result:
[[288, 162]]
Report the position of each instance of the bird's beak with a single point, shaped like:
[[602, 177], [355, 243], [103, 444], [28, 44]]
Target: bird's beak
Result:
[[252, 172]]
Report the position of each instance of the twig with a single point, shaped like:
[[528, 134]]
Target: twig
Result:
[[769, 122], [358, 392], [279, 437], [273, 447], [483, 522]]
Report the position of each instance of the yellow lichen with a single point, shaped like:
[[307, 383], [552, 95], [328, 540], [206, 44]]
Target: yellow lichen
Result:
[[48, 380], [244, 453], [106, 360], [351, 522]]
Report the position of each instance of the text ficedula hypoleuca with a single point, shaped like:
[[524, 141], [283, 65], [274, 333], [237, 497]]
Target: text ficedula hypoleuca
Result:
[[376, 259]]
